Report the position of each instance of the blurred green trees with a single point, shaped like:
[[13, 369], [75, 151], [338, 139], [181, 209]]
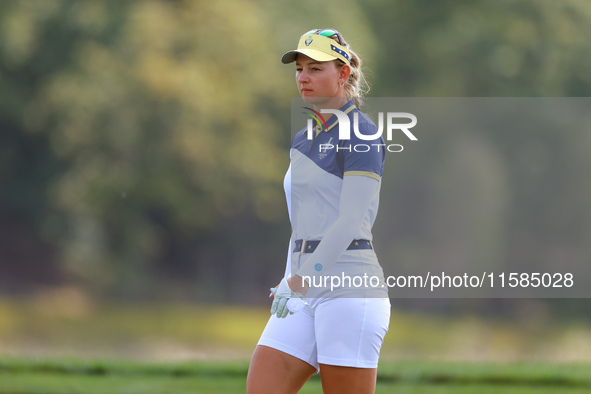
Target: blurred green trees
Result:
[[143, 143], [151, 120]]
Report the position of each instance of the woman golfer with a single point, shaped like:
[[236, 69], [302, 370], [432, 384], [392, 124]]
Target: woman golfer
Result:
[[331, 311]]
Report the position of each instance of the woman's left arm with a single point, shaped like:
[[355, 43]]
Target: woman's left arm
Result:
[[356, 195]]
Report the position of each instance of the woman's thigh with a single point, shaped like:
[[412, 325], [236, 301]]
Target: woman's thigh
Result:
[[273, 371], [349, 335], [285, 356], [347, 380]]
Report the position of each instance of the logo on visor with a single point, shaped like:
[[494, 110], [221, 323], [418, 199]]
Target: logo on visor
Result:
[[308, 41]]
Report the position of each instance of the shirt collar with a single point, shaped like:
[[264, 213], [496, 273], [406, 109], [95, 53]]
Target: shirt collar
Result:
[[348, 107]]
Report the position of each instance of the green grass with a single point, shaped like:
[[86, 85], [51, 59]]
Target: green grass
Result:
[[117, 377], [41, 332]]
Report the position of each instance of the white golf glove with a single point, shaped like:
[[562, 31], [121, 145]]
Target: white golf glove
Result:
[[286, 301]]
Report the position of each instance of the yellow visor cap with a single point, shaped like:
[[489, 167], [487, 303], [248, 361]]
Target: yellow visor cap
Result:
[[319, 48]]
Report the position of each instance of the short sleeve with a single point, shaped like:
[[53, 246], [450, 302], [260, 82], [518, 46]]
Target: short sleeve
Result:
[[363, 157]]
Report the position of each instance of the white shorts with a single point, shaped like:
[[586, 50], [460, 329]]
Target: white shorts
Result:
[[347, 332]]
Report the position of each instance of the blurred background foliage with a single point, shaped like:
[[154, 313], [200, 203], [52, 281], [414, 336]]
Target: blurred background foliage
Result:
[[143, 143]]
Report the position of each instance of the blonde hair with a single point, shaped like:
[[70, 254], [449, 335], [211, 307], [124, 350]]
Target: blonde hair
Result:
[[356, 86]]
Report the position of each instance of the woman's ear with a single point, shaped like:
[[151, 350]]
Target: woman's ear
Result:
[[345, 72]]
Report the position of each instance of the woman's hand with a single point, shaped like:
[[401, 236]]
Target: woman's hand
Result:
[[287, 300], [298, 285]]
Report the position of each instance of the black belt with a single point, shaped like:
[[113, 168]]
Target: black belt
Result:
[[304, 246]]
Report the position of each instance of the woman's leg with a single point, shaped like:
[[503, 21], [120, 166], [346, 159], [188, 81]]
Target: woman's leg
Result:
[[345, 380], [275, 372], [285, 356], [349, 335]]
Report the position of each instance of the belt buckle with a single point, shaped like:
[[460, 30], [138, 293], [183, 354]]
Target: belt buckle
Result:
[[303, 247]]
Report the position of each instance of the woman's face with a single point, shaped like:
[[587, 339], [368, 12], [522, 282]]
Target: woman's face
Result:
[[317, 80]]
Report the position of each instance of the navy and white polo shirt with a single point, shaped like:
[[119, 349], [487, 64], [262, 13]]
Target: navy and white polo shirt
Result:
[[314, 179]]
